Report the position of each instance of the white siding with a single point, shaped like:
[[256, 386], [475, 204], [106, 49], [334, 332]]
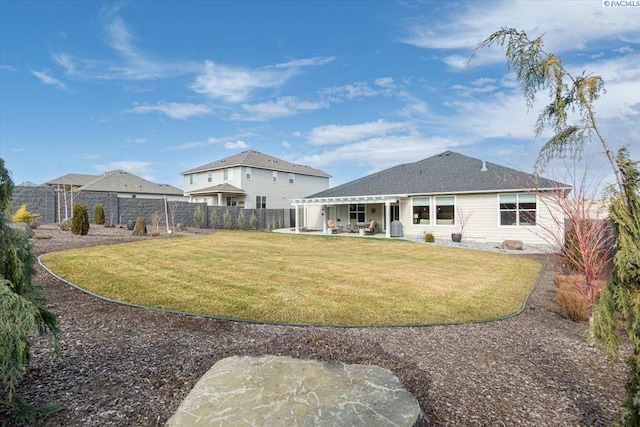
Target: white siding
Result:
[[484, 222], [279, 193]]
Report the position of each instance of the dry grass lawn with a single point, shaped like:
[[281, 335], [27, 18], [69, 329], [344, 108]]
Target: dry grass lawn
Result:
[[303, 279]]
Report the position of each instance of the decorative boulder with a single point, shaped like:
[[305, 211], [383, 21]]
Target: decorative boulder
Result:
[[512, 245], [140, 229], [23, 226], [284, 391]]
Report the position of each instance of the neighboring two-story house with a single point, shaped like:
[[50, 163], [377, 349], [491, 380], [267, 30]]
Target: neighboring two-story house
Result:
[[252, 180]]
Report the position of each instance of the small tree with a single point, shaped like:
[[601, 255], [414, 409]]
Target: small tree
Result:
[[253, 220], [226, 219], [214, 218], [156, 216], [98, 214], [241, 219], [22, 215], [622, 294], [198, 217], [80, 220], [462, 218]]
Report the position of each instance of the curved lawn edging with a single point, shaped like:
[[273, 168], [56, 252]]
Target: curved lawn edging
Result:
[[259, 322]]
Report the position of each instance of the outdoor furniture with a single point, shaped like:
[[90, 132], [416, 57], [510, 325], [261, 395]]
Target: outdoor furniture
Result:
[[353, 225], [371, 228], [332, 226]]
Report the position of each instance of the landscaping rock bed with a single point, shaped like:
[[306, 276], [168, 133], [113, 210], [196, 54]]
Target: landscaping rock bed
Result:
[[123, 366]]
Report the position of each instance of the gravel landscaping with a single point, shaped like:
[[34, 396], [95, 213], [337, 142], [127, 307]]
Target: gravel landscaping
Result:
[[123, 366]]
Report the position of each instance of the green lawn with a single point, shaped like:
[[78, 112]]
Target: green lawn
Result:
[[302, 279]]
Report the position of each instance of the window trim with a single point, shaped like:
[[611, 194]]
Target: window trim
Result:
[[292, 178], [274, 176], [414, 218], [248, 173], [453, 213], [518, 210]]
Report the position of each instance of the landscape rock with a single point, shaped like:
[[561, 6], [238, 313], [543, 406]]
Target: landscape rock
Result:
[[23, 226], [140, 229], [512, 245], [285, 391]]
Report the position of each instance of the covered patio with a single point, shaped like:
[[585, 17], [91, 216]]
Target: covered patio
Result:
[[346, 211]]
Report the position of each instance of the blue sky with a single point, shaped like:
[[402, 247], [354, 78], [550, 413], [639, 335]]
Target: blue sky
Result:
[[157, 88]]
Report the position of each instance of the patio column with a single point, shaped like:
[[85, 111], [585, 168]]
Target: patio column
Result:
[[324, 218], [219, 199], [297, 216], [387, 218]]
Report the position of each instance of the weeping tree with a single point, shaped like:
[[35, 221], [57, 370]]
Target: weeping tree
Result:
[[570, 114], [22, 307]]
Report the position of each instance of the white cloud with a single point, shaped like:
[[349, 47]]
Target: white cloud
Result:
[[381, 152], [349, 91], [234, 84], [464, 27], [135, 167], [286, 144], [339, 134], [385, 82], [236, 145], [194, 144], [8, 68], [282, 107], [306, 62], [48, 80], [175, 110], [237, 84]]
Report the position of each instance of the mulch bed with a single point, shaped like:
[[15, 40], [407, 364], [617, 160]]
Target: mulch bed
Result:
[[123, 366]]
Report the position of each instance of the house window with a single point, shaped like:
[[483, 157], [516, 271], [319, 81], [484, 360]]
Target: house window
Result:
[[518, 209], [209, 177], [274, 176], [421, 210], [227, 174], [247, 173], [445, 210], [292, 178], [192, 179], [357, 212], [261, 202], [232, 201]]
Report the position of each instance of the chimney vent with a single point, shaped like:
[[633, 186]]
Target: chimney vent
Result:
[[484, 166]]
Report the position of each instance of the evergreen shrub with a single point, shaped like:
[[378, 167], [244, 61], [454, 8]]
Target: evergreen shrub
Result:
[[80, 220]]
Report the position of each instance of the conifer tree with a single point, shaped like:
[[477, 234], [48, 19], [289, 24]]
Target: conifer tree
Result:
[[22, 308]]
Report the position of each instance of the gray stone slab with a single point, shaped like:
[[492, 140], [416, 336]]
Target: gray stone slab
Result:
[[284, 391]]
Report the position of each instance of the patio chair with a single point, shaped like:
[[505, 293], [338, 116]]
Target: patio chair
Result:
[[353, 225], [371, 228], [332, 226]]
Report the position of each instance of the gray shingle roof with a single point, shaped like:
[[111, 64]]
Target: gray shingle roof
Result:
[[125, 182], [220, 188], [448, 172], [258, 160], [75, 179]]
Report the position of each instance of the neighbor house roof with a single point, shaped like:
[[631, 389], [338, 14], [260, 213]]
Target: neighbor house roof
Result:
[[125, 182], [448, 172], [220, 188], [258, 160], [75, 179]]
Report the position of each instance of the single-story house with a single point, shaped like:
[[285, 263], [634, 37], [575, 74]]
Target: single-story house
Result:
[[125, 184], [443, 194]]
